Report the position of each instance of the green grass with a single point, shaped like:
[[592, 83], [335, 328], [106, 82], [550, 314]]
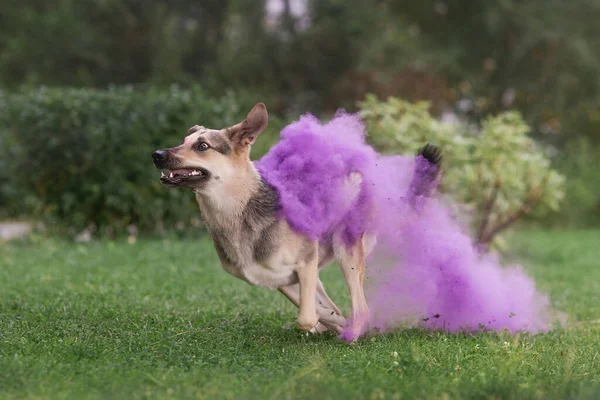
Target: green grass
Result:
[[160, 319]]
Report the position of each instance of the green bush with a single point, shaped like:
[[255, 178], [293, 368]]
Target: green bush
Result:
[[496, 171], [80, 158]]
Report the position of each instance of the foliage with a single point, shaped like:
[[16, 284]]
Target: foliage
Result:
[[96, 43], [81, 157], [160, 320], [580, 161], [496, 170], [535, 55], [473, 58]]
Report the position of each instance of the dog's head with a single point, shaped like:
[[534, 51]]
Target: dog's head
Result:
[[210, 155]]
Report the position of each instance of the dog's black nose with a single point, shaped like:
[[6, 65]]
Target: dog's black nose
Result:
[[159, 155]]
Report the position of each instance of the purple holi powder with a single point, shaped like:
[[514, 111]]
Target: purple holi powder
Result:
[[424, 267]]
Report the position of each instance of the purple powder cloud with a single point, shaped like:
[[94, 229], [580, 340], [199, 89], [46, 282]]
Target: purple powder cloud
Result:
[[425, 266]]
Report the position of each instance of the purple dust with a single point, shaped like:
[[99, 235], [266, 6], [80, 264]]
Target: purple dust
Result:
[[425, 269]]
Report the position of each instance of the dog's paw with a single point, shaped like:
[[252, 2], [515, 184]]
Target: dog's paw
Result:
[[306, 323], [356, 327], [319, 328]]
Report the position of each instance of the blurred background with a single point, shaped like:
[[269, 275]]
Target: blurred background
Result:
[[88, 89]]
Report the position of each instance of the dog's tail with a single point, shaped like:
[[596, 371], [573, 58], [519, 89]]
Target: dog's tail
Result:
[[425, 176]]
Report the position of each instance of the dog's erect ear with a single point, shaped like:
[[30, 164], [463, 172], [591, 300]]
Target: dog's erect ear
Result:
[[246, 132]]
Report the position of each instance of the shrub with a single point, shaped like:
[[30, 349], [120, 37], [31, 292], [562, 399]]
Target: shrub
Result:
[[495, 170], [80, 158]]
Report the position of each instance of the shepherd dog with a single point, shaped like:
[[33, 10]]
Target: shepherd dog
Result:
[[255, 241]]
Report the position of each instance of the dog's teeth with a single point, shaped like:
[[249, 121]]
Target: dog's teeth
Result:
[[162, 174], [171, 174]]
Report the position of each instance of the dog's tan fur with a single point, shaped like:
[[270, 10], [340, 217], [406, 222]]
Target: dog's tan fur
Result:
[[239, 210]]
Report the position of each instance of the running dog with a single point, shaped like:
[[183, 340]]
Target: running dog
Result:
[[255, 240]]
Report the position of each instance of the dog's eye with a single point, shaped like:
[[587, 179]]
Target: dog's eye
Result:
[[202, 146]]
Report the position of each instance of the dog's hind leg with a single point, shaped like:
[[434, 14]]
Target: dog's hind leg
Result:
[[352, 263], [330, 317]]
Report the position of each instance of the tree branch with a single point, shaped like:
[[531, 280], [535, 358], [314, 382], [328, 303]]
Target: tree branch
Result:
[[527, 205], [487, 210]]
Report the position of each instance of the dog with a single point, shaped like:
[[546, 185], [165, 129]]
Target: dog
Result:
[[241, 211]]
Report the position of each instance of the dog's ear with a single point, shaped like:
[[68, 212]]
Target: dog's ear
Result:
[[246, 132]]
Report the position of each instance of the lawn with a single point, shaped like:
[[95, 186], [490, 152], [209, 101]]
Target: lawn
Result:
[[159, 319]]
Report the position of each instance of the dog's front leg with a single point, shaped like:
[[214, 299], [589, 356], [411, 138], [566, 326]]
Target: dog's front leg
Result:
[[308, 271], [330, 318]]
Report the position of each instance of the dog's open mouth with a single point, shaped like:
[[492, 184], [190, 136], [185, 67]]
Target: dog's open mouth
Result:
[[176, 176]]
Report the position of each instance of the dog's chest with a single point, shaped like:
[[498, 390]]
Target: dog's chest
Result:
[[251, 242], [238, 257], [246, 258]]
